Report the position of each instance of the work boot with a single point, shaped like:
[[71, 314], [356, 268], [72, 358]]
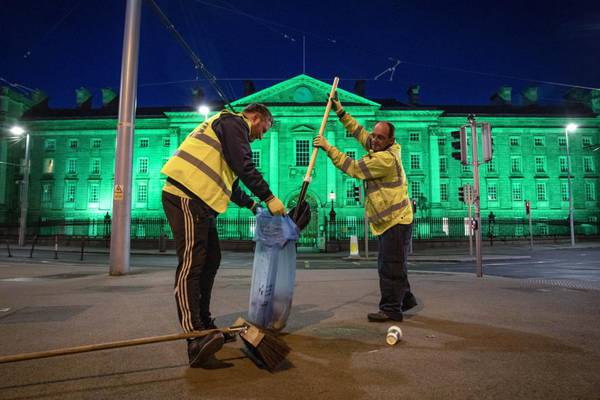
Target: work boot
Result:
[[210, 324], [381, 316], [409, 302], [202, 349]]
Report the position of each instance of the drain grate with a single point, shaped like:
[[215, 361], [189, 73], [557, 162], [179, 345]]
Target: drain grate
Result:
[[560, 283], [43, 314]]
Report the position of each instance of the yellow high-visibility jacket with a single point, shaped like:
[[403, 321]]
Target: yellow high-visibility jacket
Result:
[[199, 165], [387, 203]]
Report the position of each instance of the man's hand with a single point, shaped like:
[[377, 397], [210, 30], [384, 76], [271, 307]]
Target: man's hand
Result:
[[276, 206], [336, 105], [320, 141]]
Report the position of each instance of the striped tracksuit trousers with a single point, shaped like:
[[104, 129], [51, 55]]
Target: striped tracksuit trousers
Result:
[[194, 228]]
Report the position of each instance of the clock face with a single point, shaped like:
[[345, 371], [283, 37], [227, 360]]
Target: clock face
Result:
[[303, 95]]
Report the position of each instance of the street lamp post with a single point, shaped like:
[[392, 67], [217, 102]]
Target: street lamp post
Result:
[[17, 130], [570, 128], [332, 215]]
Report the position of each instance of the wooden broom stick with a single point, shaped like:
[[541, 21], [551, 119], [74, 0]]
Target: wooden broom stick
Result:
[[313, 158], [118, 344]]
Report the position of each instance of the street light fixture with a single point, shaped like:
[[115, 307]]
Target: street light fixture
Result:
[[17, 130], [204, 110], [570, 128]]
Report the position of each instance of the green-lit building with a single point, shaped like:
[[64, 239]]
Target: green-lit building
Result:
[[72, 154]]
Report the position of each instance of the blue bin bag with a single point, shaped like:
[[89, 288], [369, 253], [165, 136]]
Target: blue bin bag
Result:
[[273, 271]]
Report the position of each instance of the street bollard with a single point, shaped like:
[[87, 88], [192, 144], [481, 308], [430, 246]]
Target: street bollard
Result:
[[8, 248], [56, 247], [162, 243], [82, 248], [33, 246]]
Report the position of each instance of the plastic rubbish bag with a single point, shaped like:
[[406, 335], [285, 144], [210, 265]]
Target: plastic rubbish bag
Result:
[[273, 271]]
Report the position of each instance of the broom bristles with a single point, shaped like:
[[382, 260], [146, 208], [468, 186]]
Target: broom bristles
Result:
[[264, 348]]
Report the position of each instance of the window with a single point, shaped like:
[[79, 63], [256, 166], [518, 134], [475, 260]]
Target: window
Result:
[[443, 165], [586, 141], [443, 192], [540, 164], [562, 141], [517, 191], [96, 143], [492, 191], [94, 191], [70, 195], [50, 144], [72, 166], [466, 169], [564, 191], [515, 141], [46, 192], [302, 152], [588, 164], [590, 191], [515, 164], [144, 143], [350, 185], [415, 189], [73, 143], [415, 161], [95, 166], [142, 165], [48, 167], [562, 161], [539, 141], [413, 136], [491, 165], [256, 158], [540, 190], [142, 195], [351, 154], [441, 142], [166, 142]]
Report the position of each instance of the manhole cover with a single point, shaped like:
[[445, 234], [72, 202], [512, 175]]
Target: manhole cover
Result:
[[42, 314]]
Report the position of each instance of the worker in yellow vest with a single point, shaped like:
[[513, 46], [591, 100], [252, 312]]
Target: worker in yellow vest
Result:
[[202, 177], [387, 206]]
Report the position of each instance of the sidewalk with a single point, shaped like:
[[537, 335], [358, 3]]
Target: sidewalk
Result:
[[479, 338]]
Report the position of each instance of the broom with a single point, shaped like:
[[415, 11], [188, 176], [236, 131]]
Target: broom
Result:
[[123, 343], [262, 347], [313, 157]]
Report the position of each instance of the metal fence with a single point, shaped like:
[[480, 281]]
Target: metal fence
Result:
[[424, 228]]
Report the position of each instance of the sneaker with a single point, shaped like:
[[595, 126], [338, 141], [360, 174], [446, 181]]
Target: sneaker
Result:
[[202, 349], [229, 337], [381, 316], [409, 302]]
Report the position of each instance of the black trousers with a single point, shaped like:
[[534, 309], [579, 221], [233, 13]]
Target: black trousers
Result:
[[392, 267], [195, 232]]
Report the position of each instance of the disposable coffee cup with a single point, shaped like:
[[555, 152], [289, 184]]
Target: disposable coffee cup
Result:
[[394, 334]]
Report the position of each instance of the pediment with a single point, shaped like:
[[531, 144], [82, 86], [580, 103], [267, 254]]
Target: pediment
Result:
[[301, 90]]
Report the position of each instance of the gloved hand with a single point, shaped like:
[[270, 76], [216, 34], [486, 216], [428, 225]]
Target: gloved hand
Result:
[[276, 206], [320, 141], [336, 105]]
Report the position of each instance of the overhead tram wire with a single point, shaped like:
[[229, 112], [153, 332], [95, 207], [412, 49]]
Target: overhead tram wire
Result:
[[212, 80]]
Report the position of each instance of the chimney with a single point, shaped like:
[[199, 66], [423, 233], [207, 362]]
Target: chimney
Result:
[[360, 87], [530, 96], [84, 98], [109, 98], [502, 97], [413, 94], [249, 88]]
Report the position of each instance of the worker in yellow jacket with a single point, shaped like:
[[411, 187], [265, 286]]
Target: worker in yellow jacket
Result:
[[387, 206], [202, 177]]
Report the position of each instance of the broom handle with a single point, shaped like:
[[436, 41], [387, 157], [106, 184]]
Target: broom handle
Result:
[[313, 157], [114, 345]]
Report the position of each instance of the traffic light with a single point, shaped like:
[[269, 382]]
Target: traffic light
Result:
[[527, 207], [460, 144], [461, 194], [486, 141], [356, 193]]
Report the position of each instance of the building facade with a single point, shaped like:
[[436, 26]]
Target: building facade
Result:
[[72, 156]]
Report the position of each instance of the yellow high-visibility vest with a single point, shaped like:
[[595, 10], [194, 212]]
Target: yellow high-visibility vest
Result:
[[199, 165]]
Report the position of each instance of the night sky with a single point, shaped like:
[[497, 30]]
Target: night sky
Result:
[[459, 52]]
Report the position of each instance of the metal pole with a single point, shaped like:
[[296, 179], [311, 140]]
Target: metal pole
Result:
[[120, 238], [530, 232], [475, 163], [572, 225], [24, 195], [469, 200], [366, 235]]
